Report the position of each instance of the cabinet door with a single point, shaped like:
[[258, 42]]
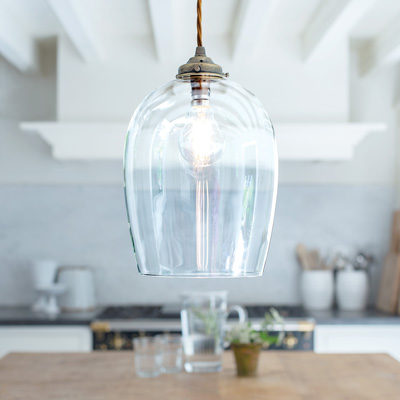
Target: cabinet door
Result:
[[45, 339], [358, 339]]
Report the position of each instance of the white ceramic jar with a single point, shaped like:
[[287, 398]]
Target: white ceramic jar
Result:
[[317, 289], [352, 290], [80, 294]]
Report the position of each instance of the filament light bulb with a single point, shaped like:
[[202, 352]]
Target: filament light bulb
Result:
[[201, 142]]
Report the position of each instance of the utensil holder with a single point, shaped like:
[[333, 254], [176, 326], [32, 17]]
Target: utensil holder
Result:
[[317, 289], [352, 290]]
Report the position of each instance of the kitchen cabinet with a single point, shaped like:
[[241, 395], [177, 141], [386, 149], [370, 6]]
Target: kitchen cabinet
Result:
[[358, 339], [45, 339]]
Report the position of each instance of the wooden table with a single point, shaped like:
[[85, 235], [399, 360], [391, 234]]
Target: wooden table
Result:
[[282, 375]]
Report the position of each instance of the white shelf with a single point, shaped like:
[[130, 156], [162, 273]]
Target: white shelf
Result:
[[322, 141], [296, 142], [81, 141]]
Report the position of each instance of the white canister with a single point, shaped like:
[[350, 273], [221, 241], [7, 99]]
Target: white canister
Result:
[[317, 289], [352, 290], [80, 294]]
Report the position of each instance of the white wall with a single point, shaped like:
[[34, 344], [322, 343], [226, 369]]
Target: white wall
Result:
[[24, 157], [290, 89], [86, 225], [371, 100]]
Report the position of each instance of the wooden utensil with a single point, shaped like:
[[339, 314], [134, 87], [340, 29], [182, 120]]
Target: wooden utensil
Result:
[[395, 239], [389, 288], [398, 306], [302, 256], [314, 259], [309, 259]]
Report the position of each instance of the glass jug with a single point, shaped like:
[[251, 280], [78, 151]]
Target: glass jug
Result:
[[203, 319]]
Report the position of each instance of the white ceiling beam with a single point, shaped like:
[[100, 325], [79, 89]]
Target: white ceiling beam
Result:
[[332, 20], [251, 19], [162, 26], [16, 46], [384, 49], [76, 25]]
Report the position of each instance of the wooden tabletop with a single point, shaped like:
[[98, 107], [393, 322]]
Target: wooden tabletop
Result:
[[281, 375]]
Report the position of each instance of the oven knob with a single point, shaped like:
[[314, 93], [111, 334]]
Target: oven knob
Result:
[[100, 326], [290, 341], [118, 342]]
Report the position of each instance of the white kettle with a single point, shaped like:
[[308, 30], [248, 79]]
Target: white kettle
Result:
[[80, 293]]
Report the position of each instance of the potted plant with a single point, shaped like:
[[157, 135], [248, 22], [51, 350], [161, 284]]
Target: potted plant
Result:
[[246, 342]]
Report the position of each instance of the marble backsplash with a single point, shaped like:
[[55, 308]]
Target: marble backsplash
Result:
[[87, 225]]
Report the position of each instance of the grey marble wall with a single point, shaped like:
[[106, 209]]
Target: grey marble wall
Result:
[[87, 225]]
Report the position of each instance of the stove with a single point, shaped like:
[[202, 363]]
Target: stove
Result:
[[115, 327], [172, 311]]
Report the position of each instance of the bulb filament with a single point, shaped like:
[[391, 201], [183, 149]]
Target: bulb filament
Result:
[[202, 223]]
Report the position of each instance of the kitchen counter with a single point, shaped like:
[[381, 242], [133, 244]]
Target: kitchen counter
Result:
[[366, 317], [281, 375], [25, 316]]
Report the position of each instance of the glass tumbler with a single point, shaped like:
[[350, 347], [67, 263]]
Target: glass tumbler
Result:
[[147, 356], [171, 353]]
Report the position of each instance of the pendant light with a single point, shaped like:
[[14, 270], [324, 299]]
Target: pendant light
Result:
[[201, 175]]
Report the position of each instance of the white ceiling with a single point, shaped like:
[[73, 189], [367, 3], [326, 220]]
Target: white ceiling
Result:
[[382, 12], [131, 17], [290, 17], [33, 17], [24, 21], [118, 17]]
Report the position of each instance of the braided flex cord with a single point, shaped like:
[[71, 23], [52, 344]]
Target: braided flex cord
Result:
[[199, 30], [200, 67]]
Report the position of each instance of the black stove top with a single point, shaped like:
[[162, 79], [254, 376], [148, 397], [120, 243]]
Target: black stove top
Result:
[[258, 311], [173, 312]]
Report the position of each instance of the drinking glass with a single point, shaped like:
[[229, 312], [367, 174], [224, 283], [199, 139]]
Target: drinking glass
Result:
[[147, 356], [171, 353], [203, 319]]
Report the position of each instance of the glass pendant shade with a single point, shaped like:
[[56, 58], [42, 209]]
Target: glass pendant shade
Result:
[[201, 180]]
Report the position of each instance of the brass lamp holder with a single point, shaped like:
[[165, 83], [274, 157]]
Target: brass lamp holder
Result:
[[200, 67]]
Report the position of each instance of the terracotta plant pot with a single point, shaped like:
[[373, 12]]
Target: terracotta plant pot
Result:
[[246, 356]]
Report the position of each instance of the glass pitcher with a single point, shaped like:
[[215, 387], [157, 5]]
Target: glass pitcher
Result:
[[203, 319]]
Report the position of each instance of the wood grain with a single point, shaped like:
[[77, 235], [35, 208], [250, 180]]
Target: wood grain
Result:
[[389, 287], [282, 375], [395, 238]]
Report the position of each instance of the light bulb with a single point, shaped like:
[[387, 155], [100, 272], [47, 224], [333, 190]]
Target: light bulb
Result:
[[201, 142]]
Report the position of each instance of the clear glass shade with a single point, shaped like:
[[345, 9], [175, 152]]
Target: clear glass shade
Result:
[[201, 181]]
